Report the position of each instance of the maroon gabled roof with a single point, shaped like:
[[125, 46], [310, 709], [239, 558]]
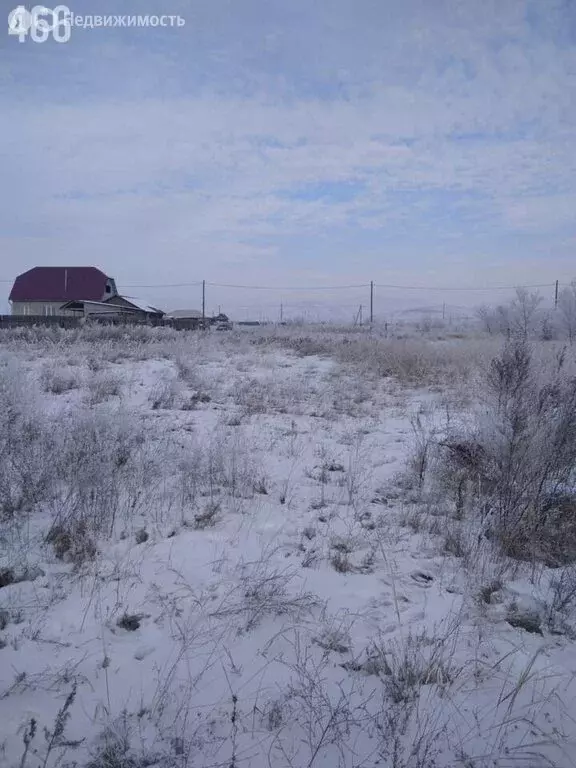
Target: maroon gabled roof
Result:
[[60, 284]]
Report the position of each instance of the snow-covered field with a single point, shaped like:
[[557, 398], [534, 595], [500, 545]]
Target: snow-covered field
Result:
[[210, 555]]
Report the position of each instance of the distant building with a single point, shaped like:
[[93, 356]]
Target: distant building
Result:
[[73, 291], [135, 305], [185, 314], [115, 307], [45, 290]]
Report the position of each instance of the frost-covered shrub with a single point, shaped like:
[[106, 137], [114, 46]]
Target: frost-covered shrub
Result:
[[103, 385], [101, 466], [26, 445], [57, 380], [222, 465], [165, 392], [514, 468]]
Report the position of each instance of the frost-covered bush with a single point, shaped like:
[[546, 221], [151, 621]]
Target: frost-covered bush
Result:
[[57, 380], [102, 470], [221, 466], [102, 385], [26, 445], [515, 467], [165, 392], [87, 469]]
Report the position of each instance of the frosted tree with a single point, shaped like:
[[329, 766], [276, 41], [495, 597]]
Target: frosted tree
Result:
[[524, 311], [567, 310]]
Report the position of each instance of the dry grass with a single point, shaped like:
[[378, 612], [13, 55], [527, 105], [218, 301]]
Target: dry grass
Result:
[[317, 701]]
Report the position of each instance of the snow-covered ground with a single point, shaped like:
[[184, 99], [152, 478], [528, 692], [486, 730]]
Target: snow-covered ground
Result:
[[256, 590]]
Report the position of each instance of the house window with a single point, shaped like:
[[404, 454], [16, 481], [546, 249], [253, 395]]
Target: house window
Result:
[[108, 289]]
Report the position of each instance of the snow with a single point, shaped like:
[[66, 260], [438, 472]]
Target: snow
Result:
[[140, 304], [185, 313], [269, 636]]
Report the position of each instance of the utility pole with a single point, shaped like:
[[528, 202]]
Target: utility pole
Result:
[[203, 301], [556, 296], [371, 301], [281, 313], [444, 311]]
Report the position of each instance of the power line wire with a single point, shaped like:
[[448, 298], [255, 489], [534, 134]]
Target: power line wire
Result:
[[328, 287], [464, 288], [161, 285], [289, 288], [343, 287]]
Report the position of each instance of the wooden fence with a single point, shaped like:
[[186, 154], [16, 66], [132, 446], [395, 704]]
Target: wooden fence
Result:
[[55, 321], [28, 321]]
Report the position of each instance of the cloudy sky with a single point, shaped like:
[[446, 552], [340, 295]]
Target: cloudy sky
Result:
[[296, 143]]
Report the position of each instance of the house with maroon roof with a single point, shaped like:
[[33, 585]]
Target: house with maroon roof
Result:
[[73, 291], [46, 290]]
